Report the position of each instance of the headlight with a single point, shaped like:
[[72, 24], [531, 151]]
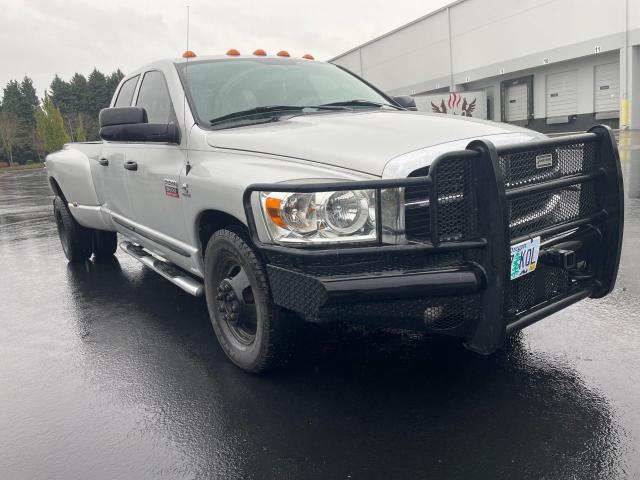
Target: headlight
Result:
[[347, 212], [321, 217]]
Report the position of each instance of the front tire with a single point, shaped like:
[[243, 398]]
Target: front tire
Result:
[[75, 239], [254, 333]]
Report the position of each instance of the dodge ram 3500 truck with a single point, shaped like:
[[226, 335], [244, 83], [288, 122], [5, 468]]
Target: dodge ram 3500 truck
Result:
[[287, 189]]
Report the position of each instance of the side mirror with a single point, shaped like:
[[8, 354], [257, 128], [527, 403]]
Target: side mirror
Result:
[[122, 116], [130, 124], [406, 101]]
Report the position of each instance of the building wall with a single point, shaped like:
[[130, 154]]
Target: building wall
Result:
[[476, 44]]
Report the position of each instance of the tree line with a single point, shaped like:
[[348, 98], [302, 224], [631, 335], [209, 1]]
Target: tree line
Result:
[[31, 127]]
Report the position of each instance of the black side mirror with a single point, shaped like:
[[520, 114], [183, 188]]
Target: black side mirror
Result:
[[122, 116], [405, 101], [130, 124]]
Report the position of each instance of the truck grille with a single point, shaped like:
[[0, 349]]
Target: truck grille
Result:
[[457, 212], [538, 211], [528, 213]]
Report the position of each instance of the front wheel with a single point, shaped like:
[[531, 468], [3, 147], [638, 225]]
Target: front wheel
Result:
[[254, 333]]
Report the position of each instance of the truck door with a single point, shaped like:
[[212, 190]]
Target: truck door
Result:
[[154, 188], [108, 168]]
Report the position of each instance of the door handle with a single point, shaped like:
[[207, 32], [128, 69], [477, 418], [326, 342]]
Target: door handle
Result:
[[131, 165], [104, 162]]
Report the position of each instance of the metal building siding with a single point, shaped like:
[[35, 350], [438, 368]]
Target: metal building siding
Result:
[[607, 87], [562, 94], [516, 102]]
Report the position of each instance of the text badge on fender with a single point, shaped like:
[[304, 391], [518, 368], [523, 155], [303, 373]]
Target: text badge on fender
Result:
[[171, 188], [524, 257]]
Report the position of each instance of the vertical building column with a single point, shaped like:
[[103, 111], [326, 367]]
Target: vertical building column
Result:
[[630, 87]]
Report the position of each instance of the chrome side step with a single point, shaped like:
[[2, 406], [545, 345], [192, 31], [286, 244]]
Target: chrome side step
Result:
[[171, 272]]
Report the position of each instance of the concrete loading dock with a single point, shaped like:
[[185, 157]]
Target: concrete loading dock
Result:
[[554, 66]]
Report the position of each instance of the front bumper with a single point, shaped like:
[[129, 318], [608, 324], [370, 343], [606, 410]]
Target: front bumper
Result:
[[457, 281]]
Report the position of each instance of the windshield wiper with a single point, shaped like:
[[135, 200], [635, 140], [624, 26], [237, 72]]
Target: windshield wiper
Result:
[[254, 111], [273, 109], [356, 103]]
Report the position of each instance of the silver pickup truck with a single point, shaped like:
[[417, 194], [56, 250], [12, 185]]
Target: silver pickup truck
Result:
[[286, 190]]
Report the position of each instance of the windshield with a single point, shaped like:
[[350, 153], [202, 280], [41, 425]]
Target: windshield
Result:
[[223, 87]]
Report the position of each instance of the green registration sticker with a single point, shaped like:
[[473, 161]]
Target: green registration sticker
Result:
[[524, 257]]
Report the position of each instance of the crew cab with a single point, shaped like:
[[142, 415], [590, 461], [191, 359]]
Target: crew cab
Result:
[[287, 190]]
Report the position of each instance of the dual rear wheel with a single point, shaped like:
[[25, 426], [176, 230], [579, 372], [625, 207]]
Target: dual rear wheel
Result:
[[253, 332], [78, 242]]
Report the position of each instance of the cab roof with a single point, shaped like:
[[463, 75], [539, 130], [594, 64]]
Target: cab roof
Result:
[[239, 56], [169, 62]]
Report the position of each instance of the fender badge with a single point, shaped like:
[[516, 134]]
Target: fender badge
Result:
[[185, 190], [544, 160], [171, 188]]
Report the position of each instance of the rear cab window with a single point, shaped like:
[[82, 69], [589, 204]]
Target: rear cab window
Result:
[[125, 95], [154, 97]]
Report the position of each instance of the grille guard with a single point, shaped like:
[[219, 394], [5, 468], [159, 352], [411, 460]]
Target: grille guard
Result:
[[487, 234]]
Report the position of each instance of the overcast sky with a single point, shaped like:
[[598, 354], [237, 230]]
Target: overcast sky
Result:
[[40, 38]]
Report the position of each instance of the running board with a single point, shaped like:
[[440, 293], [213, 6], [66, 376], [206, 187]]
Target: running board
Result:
[[171, 272]]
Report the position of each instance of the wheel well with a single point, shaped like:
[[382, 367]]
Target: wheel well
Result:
[[56, 189], [212, 220]]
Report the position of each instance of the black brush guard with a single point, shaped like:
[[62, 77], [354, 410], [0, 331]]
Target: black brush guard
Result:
[[481, 200]]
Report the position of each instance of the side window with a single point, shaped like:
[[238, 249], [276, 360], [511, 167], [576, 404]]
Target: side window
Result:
[[126, 92], [154, 98]]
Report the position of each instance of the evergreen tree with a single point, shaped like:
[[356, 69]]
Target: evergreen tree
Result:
[[50, 126], [78, 94], [18, 99], [61, 95], [77, 103], [8, 132], [113, 81], [99, 93], [99, 96], [30, 102], [11, 97], [80, 128], [27, 120]]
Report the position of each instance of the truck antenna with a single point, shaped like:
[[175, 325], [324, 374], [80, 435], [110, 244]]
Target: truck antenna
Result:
[[187, 27], [184, 102]]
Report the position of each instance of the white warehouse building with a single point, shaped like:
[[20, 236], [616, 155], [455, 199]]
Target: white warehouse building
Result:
[[550, 65]]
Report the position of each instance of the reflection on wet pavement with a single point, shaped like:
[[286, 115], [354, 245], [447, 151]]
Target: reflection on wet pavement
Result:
[[108, 371]]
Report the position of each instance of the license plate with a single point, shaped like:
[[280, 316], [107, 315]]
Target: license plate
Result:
[[524, 257]]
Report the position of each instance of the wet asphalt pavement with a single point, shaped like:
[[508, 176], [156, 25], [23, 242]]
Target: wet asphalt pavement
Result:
[[107, 371]]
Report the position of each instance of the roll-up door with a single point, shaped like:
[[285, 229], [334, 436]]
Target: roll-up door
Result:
[[516, 102], [607, 88], [562, 94]]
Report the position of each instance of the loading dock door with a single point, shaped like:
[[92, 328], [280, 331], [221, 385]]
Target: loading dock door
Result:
[[607, 88], [516, 102], [562, 94]]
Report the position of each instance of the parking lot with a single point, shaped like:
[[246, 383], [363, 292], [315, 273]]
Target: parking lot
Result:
[[109, 371]]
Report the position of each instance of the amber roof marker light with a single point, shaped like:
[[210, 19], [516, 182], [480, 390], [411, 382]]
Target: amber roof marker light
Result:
[[233, 52], [188, 54], [283, 53], [260, 53], [308, 56]]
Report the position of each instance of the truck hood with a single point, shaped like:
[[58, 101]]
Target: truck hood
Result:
[[360, 141]]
